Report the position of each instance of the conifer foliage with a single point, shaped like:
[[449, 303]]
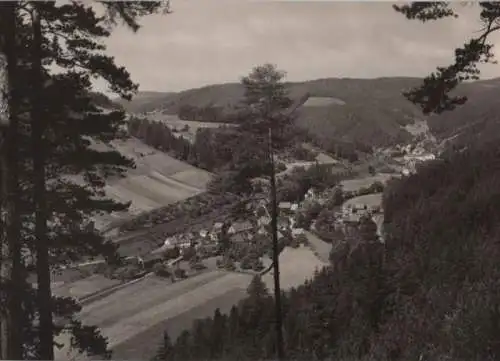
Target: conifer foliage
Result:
[[434, 95], [59, 164]]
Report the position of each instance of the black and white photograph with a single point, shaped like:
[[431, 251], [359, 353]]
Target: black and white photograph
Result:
[[250, 180]]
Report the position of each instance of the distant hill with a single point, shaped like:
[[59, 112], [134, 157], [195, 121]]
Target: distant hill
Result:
[[477, 121], [143, 101], [104, 101], [370, 112]]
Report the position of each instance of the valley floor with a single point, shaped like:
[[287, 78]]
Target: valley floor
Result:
[[134, 317]]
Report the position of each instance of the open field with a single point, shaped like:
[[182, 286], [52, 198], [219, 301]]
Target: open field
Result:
[[133, 318], [371, 200], [296, 266], [320, 248], [323, 158], [353, 185], [174, 123], [146, 343], [322, 102], [84, 286], [157, 180]]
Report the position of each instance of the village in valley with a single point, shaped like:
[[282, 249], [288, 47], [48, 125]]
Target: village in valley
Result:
[[323, 203]]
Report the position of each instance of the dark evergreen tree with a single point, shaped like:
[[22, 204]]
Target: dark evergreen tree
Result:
[[435, 94], [61, 130]]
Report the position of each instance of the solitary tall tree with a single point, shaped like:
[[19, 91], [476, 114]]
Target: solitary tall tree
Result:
[[267, 107]]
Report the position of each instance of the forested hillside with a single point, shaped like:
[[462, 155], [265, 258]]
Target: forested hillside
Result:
[[363, 112], [431, 291], [368, 111]]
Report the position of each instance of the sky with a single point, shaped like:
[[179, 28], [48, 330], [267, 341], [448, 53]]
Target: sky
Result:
[[216, 41]]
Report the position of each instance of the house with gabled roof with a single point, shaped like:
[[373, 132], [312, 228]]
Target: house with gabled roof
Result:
[[285, 206], [238, 227]]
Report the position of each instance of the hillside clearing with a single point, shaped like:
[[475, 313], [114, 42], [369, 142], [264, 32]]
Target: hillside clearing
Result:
[[322, 102], [354, 185], [370, 200], [158, 180], [296, 266]]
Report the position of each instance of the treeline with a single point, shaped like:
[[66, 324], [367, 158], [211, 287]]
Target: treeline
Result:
[[212, 149], [159, 136], [347, 150], [430, 292], [208, 113], [236, 155]]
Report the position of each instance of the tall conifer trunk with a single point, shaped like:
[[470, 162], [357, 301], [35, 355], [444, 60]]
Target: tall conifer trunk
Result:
[[44, 294], [11, 266]]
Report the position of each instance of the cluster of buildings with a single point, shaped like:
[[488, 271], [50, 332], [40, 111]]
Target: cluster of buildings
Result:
[[411, 157], [241, 231]]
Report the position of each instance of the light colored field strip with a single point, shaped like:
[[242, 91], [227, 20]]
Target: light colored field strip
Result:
[[195, 178], [157, 191], [136, 297], [142, 321], [174, 183], [356, 184], [165, 164], [370, 200], [296, 266], [321, 248], [121, 193]]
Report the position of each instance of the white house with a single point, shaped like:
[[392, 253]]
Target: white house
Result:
[[297, 231], [172, 242], [285, 206], [294, 207], [238, 227]]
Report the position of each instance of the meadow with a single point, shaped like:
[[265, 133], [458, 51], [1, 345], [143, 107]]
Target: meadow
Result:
[[157, 181]]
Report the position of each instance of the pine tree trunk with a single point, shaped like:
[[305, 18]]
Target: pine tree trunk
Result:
[[5, 265], [44, 294], [280, 350], [12, 270]]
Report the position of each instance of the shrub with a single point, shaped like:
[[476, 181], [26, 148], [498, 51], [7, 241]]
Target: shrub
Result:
[[126, 273], [280, 167], [161, 270], [219, 263], [229, 265], [180, 273], [246, 263], [188, 253], [257, 265], [377, 187]]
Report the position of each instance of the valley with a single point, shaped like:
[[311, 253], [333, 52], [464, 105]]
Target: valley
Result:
[[133, 305]]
